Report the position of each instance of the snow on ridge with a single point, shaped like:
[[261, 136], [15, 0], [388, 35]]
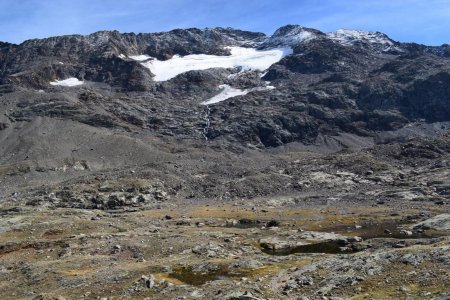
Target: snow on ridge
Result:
[[292, 36], [295, 36], [67, 82], [228, 92], [245, 58], [348, 37]]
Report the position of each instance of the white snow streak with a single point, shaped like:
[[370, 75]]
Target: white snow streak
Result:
[[228, 92], [67, 82], [138, 57], [245, 58]]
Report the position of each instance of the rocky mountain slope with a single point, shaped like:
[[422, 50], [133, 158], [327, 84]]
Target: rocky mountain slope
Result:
[[347, 81], [72, 99], [224, 164]]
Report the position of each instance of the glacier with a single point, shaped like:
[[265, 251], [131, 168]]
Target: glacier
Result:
[[245, 58]]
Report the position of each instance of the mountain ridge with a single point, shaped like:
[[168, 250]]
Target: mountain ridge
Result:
[[343, 82], [115, 31]]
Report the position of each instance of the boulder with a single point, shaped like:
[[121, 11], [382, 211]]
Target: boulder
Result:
[[439, 222]]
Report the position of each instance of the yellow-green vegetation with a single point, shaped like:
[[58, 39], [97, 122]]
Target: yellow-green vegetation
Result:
[[14, 169], [78, 253]]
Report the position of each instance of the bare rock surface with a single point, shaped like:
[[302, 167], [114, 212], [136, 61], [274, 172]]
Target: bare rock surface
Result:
[[439, 222], [324, 176]]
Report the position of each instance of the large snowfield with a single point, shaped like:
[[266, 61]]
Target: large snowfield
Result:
[[245, 58]]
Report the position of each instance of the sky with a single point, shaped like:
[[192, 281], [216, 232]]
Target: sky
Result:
[[421, 21]]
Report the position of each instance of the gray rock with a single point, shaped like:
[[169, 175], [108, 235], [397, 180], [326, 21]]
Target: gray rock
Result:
[[317, 236], [242, 296], [149, 281], [439, 222], [247, 264], [406, 232], [276, 244]]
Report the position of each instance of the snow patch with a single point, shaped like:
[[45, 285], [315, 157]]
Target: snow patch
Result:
[[350, 37], [245, 58], [68, 82], [140, 57], [228, 92]]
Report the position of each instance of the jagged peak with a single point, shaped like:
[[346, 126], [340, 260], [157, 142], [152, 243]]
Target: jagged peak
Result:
[[292, 28], [349, 36], [378, 40], [51, 40], [104, 33], [292, 35], [98, 37], [7, 44]]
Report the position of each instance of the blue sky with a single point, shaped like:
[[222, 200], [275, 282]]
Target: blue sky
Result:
[[422, 21]]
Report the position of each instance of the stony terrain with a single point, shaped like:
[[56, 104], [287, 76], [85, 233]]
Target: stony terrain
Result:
[[335, 184]]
